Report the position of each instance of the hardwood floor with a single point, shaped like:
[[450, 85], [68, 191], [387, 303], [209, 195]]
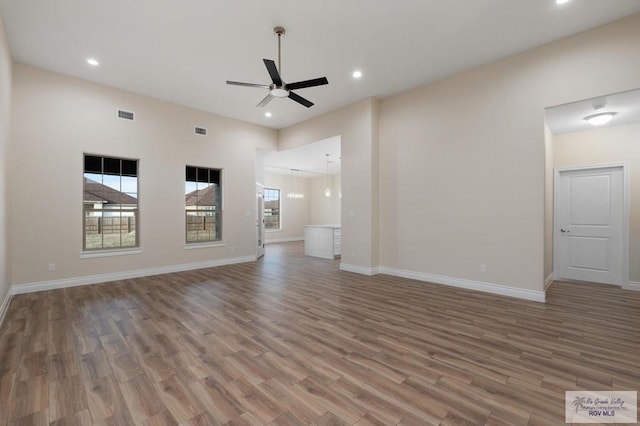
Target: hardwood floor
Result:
[[290, 340]]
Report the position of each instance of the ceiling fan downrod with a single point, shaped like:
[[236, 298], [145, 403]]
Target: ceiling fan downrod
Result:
[[279, 32]]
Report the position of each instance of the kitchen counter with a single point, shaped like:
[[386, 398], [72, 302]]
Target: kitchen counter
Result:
[[323, 241]]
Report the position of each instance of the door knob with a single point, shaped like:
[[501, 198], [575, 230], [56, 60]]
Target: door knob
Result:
[[564, 230]]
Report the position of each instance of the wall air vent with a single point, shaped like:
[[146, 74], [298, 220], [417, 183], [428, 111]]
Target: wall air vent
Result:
[[127, 115], [200, 130]]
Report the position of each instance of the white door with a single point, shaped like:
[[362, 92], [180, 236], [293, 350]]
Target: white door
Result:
[[260, 221], [589, 225]]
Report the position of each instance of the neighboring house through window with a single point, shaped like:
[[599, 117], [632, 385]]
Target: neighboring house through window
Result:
[[110, 203], [203, 204], [271, 209]]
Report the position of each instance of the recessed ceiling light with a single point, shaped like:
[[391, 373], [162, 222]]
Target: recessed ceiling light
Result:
[[267, 114], [600, 119], [357, 74], [93, 62], [562, 1]]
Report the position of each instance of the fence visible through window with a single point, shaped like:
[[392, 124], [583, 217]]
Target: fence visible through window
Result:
[[203, 204], [110, 203]]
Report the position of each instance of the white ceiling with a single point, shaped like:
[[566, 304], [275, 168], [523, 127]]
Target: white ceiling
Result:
[[184, 51], [310, 160], [570, 117]]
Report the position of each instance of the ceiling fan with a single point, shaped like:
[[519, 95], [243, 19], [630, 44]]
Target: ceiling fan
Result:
[[278, 88]]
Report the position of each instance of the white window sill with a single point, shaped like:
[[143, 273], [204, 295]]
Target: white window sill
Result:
[[272, 231], [192, 246], [107, 253]]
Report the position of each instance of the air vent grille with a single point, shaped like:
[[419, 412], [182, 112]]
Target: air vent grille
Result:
[[127, 115], [200, 130]]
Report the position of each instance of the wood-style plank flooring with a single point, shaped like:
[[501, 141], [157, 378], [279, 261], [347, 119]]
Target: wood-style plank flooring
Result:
[[290, 340]]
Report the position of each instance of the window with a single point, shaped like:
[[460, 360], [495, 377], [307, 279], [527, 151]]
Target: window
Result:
[[271, 209], [203, 202], [110, 203]]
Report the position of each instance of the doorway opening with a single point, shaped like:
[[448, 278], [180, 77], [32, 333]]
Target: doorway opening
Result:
[[592, 202], [301, 187]]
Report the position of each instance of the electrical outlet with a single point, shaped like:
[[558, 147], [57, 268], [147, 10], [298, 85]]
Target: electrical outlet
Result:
[[483, 268], [52, 267]]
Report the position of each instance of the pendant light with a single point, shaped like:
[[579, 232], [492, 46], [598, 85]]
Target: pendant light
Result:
[[327, 190], [295, 194]]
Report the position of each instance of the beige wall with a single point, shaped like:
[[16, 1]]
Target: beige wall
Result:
[[5, 114], [325, 210], [607, 146], [462, 160], [357, 126], [57, 118], [437, 180], [295, 213]]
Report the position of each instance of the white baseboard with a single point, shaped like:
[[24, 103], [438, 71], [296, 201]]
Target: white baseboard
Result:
[[364, 270], [282, 240], [536, 296], [96, 279], [4, 307], [548, 281], [632, 285]]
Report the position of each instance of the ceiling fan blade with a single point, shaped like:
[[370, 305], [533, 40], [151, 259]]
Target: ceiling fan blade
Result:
[[299, 99], [238, 83], [307, 83], [273, 72], [266, 100]]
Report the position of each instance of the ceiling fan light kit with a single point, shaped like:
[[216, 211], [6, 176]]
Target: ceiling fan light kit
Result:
[[278, 88]]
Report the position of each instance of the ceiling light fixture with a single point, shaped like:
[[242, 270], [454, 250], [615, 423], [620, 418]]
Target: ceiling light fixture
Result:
[[562, 1], [93, 62], [295, 195], [599, 119], [267, 114], [357, 74], [327, 190]]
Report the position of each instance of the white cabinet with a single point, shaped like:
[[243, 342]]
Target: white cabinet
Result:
[[323, 241]]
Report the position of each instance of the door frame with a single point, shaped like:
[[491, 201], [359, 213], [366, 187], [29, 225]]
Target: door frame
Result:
[[259, 221], [625, 214]]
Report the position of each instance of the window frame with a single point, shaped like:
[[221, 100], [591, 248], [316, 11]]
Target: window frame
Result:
[[218, 213], [279, 228], [98, 251]]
